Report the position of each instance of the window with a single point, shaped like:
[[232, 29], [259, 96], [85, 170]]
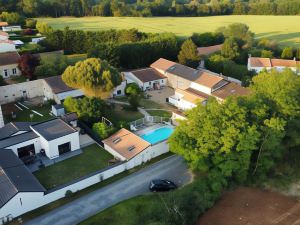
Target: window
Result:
[[119, 92], [14, 71], [5, 73], [150, 83], [162, 81]]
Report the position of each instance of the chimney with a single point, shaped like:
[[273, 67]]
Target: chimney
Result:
[[249, 55], [294, 58]]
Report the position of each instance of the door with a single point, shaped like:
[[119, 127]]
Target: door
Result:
[[26, 151], [64, 148]]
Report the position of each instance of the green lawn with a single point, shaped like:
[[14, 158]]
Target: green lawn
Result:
[[160, 113], [92, 159], [72, 59], [119, 114], [24, 116], [129, 212], [284, 29]]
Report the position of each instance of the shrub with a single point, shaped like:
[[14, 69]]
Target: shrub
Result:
[[69, 194], [102, 130]]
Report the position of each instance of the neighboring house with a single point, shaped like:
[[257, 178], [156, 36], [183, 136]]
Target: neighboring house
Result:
[[196, 86], [206, 51], [70, 118], [19, 189], [55, 88], [127, 146], [11, 28], [258, 64], [3, 24], [146, 79], [18, 43], [9, 64], [55, 137], [37, 40], [7, 46], [3, 36]]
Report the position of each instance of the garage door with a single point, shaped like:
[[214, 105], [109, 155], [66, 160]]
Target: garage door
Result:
[[28, 150], [64, 148]]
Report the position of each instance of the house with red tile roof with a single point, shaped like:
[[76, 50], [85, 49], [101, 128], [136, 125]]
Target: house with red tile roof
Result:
[[205, 51], [258, 64], [3, 36]]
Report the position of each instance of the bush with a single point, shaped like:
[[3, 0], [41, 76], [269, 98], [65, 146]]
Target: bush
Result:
[[69, 194], [28, 31], [30, 23], [103, 130]]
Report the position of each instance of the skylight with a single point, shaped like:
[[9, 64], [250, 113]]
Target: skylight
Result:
[[117, 140], [131, 148]]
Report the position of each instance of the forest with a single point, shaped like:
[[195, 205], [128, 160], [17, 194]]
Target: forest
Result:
[[148, 8]]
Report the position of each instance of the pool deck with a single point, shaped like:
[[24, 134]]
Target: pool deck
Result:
[[151, 128]]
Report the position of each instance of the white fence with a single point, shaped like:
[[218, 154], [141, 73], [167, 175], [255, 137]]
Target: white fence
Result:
[[149, 120]]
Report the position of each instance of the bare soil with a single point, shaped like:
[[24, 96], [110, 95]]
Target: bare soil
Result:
[[250, 206]]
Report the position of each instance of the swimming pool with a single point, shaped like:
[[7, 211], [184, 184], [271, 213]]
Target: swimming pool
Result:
[[158, 135]]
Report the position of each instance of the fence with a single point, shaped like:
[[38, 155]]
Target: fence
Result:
[[148, 120]]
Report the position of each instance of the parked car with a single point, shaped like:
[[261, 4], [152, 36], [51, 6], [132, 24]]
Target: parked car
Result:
[[161, 185]]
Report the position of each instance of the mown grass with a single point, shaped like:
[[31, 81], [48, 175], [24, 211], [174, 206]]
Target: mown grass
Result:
[[160, 113], [284, 29], [92, 159]]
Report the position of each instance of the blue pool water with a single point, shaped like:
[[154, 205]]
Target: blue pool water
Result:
[[158, 135]]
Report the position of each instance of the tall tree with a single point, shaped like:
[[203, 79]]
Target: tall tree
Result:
[[230, 49], [94, 76], [287, 53], [188, 54], [27, 64]]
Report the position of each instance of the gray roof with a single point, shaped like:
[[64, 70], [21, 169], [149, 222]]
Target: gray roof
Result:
[[57, 84], [184, 72], [16, 139], [14, 127], [53, 129], [15, 177], [58, 106], [69, 117]]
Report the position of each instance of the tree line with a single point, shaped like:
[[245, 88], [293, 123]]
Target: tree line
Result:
[[147, 8]]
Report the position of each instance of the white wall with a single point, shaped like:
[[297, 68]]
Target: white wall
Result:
[[149, 85], [51, 147], [201, 88], [36, 142], [11, 93], [73, 93], [185, 105], [114, 153], [29, 202], [12, 28], [7, 47], [9, 69], [120, 88]]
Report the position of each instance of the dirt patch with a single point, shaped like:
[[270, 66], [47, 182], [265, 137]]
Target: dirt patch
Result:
[[250, 206], [7, 109]]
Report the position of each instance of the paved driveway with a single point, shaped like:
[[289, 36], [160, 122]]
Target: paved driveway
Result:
[[135, 184]]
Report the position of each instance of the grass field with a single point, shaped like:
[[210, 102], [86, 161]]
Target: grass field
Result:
[[284, 29], [92, 159]]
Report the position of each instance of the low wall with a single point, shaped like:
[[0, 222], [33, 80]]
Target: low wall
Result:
[[14, 92]]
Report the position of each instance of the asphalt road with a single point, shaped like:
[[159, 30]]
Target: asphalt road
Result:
[[173, 168]]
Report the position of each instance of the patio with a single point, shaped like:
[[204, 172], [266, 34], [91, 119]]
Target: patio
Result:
[[42, 161]]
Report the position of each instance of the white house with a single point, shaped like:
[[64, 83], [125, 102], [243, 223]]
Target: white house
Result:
[[55, 88], [7, 46], [127, 146], [3, 36], [55, 137], [147, 78], [9, 64], [37, 40], [11, 28], [19, 189], [258, 64]]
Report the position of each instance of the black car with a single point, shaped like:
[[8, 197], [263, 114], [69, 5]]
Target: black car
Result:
[[162, 185]]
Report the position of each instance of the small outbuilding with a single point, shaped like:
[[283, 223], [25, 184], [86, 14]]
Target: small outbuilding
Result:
[[58, 110]]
